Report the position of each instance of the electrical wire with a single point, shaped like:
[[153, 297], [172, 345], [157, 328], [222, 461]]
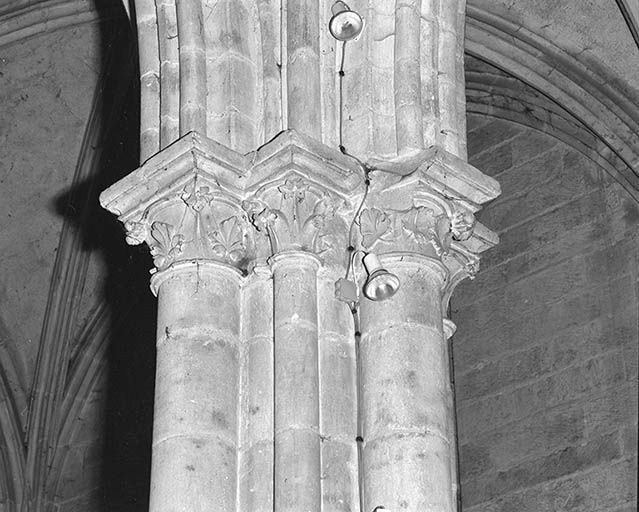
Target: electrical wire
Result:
[[341, 73], [354, 306]]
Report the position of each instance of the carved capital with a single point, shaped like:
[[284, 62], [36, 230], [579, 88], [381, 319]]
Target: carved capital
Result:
[[197, 199], [193, 223], [294, 215], [425, 203]]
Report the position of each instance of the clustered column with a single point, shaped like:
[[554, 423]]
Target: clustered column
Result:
[[430, 242], [238, 243], [259, 404]]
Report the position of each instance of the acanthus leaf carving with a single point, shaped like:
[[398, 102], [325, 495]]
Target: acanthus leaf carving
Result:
[[166, 244], [300, 219], [373, 225], [424, 226], [227, 242]]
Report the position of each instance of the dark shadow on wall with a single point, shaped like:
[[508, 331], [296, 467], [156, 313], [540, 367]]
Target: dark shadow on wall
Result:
[[126, 457]]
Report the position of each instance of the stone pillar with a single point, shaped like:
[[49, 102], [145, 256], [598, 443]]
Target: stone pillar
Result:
[[240, 71], [197, 387], [423, 237], [199, 239], [257, 389], [297, 443], [238, 371], [405, 390]]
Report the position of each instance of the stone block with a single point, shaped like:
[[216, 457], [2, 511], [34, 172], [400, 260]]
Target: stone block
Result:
[[494, 162], [190, 473], [407, 472], [604, 487], [404, 381], [257, 306], [475, 122], [571, 387], [92, 499], [536, 435], [417, 301], [569, 460], [297, 470], [199, 299], [581, 221], [539, 186], [569, 347], [81, 471], [485, 137], [256, 478], [339, 476], [257, 392], [296, 376], [611, 409], [197, 384], [496, 332], [338, 389]]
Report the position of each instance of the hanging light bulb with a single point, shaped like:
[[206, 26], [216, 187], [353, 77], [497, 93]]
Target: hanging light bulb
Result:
[[345, 24], [380, 284]]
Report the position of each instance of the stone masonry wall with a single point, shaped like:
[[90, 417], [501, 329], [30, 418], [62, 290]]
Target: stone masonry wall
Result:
[[546, 348]]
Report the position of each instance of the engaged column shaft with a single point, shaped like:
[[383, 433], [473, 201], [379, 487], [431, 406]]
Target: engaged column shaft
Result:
[[405, 404], [297, 443], [196, 395]]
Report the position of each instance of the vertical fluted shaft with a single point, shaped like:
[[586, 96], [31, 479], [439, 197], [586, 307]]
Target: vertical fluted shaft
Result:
[[169, 72], [408, 101], [338, 397], [297, 442], [149, 78], [302, 67], [256, 438], [405, 392], [192, 67], [448, 56], [196, 395]]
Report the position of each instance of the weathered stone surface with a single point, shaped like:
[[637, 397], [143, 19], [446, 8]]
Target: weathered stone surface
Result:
[[546, 344], [408, 472], [211, 214]]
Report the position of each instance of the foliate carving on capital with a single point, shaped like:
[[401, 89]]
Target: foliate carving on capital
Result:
[[462, 223], [293, 215], [166, 245], [228, 240], [471, 266], [425, 227], [194, 223], [136, 232], [374, 225], [198, 198], [420, 226]]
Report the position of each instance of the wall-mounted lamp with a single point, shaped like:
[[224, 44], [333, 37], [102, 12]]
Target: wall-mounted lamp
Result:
[[380, 284], [345, 25]]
